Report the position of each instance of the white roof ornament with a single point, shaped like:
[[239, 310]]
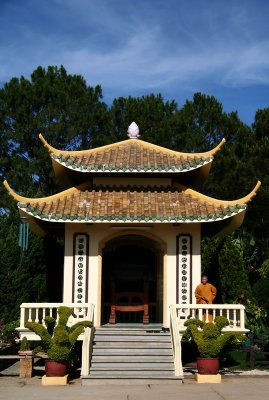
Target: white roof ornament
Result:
[[133, 131]]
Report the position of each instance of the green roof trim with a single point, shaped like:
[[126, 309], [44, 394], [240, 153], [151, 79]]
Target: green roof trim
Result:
[[126, 218], [127, 168]]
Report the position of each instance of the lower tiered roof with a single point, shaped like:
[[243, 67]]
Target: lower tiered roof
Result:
[[166, 204]]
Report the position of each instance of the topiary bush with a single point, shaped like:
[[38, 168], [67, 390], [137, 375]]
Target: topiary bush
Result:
[[24, 346], [208, 337], [58, 340]]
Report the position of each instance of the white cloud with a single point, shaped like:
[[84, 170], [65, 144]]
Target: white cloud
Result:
[[136, 46]]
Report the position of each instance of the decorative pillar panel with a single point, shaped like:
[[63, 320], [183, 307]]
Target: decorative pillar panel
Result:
[[184, 269], [80, 268]]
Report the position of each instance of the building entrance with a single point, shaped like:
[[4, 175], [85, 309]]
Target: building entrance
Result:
[[132, 264]]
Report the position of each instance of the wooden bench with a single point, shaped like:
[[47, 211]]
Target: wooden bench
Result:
[[128, 301]]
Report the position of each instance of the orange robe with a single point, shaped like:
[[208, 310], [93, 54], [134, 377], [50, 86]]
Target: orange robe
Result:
[[207, 291]]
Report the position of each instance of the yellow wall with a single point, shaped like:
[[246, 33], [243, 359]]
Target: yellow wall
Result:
[[99, 234]]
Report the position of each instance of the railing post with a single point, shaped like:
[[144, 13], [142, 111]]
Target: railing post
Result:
[[234, 318], [30, 315], [22, 317], [85, 352], [43, 316], [36, 314], [242, 318]]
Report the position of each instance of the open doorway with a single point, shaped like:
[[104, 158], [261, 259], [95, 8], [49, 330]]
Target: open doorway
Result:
[[132, 263]]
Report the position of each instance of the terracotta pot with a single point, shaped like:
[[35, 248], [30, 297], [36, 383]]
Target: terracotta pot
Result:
[[56, 368], [25, 353], [207, 366]]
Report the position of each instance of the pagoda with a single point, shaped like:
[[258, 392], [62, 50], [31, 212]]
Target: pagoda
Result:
[[131, 212]]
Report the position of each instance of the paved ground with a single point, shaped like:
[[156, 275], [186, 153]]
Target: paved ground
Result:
[[256, 388], [232, 388]]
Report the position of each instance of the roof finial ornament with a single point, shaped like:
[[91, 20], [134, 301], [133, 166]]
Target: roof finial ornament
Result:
[[133, 131]]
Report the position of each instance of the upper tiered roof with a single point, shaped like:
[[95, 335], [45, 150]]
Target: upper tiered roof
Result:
[[130, 156]]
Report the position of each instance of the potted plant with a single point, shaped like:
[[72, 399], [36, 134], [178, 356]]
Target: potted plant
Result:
[[25, 348], [58, 340], [210, 342], [26, 359]]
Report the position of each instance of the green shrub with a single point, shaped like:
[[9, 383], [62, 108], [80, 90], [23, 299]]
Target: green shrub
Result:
[[50, 324], [24, 346], [237, 359], [40, 330], [59, 353], [208, 337], [58, 341], [8, 333]]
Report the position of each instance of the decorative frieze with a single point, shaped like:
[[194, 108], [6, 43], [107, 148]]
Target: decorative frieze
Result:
[[184, 269], [80, 268]]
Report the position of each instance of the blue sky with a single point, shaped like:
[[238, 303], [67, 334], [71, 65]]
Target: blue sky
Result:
[[136, 47]]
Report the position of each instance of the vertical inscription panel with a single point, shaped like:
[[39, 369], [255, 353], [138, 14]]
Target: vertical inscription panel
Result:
[[184, 269], [80, 268]]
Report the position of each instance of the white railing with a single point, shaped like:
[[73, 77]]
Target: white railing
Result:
[[86, 351], [176, 341], [36, 312], [179, 313], [235, 314]]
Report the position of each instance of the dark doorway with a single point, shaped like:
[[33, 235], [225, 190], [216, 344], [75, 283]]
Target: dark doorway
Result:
[[131, 261]]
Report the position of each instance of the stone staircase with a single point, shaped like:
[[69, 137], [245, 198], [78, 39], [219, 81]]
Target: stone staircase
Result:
[[131, 356]]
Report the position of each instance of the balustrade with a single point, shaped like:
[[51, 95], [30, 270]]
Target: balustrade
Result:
[[36, 312], [233, 312]]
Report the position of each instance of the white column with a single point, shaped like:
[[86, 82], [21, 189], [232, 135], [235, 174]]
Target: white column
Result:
[[184, 267], [196, 260], [76, 268], [68, 265]]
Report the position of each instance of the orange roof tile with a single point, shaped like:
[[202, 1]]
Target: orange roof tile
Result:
[[129, 204], [131, 156]]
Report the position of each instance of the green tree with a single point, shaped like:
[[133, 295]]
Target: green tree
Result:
[[62, 107], [258, 218], [224, 263], [70, 115], [22, 276], [233, 276], [150, 112]]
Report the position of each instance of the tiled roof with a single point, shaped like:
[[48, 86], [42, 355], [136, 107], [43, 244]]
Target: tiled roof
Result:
[[131, 156], [129, 204]]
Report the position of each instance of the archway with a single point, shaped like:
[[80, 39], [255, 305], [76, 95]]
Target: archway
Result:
[[131, 260]]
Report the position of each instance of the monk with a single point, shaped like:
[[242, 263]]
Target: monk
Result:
[[205, 293]]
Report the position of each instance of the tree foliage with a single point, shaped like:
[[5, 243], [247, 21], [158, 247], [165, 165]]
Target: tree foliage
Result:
[[60, 106], [22, 277]]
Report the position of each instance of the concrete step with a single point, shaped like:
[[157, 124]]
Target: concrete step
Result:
[[132, 359], [109, 331], [116, 337], [88, 380], [97, 351], [131, 330], [133, 374], [132, 366], [158, 336], [133, 344], [136, 356]]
